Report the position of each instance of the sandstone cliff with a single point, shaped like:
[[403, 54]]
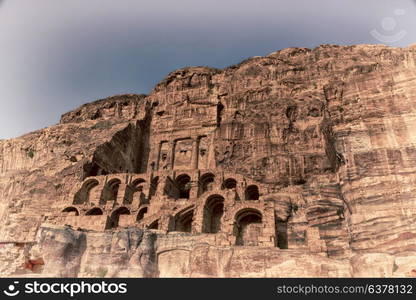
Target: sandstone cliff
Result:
[[325, 134]]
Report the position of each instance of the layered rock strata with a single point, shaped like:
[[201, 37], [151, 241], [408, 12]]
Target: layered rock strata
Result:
[[299, 163]]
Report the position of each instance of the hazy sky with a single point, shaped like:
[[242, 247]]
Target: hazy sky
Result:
[[58, 54]]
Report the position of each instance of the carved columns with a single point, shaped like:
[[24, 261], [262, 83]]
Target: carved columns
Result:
[[158, 155], [195, 153], [172, 146]]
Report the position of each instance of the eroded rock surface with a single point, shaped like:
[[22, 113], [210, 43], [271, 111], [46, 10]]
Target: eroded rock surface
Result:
[[299, 163]]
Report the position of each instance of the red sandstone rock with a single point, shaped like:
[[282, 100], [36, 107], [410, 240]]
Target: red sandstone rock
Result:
[[300, 163]]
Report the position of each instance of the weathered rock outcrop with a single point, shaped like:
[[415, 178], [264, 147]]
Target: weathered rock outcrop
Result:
[[325, 135], [137, 253]]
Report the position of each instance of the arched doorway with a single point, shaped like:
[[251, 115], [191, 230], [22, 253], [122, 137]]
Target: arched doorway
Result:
[[229, 184], [213, 212], [110, 191], [252, 192], [115, 216], [248, 227], [133, 190], [184, 185], [141, 214], [183, 221], [206, 182], [83, 195], [70, 211], [94, 212]]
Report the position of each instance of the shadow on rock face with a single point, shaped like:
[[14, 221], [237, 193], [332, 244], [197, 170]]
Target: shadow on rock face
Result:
[[62, 251], [69, 253]]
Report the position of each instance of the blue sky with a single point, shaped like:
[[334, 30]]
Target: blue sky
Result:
[[57, 55]]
